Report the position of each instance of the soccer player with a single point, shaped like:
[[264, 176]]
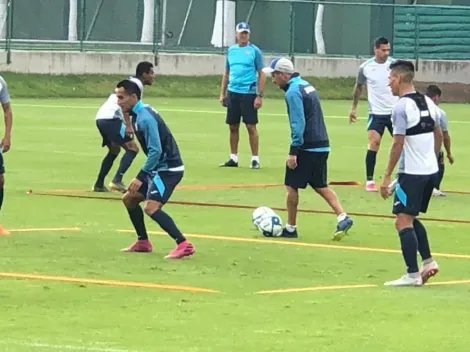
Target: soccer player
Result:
[[158, 178], [117, 132], [417, 139], [6, 141], [307, 160], [242, 93], [434, 92], [374, 74]]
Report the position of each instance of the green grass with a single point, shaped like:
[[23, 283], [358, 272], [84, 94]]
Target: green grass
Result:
[[56, 145]]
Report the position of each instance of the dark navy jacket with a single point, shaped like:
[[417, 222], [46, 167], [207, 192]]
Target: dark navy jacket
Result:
[[308, 130], [156, 141]]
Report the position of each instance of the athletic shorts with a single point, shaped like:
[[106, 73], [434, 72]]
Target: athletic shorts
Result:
[[311, 170], [379, 123], [413, 193], [241, 105], [2, 164], [161, 185], [113, 132]]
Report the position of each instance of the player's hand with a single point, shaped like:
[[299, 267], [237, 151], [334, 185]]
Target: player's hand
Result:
[[129, 130], [6, 143], [134, 186], [223, 101], [258, 102], [291, 162], [352, 116], [450, 158], [384, 187]]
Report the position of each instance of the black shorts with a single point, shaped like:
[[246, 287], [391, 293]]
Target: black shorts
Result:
[[160, 186], [311, 170], [241, 105], [413, 193], [2, 164], [379, 123], [113, 132]]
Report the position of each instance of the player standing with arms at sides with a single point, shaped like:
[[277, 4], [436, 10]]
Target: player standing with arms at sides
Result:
[[417, 139], [374, 74], [6, 141], [116, 130], [434, 92], [162, 172], [307, 160], [242, 93]]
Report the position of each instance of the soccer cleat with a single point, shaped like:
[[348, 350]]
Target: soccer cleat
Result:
[[406, 280], [229, 163], [428, 270], [370, 186], [255, 164], [99, 189], [438, 193], [140, 246], [117, 186], [184, 249], [288, 234], [342, 228]]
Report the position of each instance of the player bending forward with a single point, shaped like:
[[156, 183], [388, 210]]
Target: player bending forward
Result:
[[309, 150], [158, 178]]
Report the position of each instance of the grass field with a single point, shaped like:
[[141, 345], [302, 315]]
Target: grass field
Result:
[[50, 301]]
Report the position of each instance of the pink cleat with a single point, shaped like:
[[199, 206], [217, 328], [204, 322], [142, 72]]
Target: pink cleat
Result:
[[370, 186], [184, 249], [141, 246]]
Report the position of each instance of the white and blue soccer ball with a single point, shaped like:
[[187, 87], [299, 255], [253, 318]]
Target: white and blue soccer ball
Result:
[[259, 213], [270, 225]]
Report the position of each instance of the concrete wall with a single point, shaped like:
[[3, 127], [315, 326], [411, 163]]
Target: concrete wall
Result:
[[45, 62]]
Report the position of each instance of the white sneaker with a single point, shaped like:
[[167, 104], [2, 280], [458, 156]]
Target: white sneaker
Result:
[[438, 193], [370, 186], [428, 270], [406, 280]]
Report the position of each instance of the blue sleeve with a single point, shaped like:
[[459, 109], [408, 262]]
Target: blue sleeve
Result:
[[295, 108], [259, 63], [149, 127]]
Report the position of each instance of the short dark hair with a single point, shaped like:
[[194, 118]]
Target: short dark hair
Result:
[[380, 41], [404, 68], [433, 90], [143, 67], [130, 87]]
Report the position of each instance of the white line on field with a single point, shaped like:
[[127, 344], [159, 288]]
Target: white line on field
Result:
[[63, 347], [179, 110]]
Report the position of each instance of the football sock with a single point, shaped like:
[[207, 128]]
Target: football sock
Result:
[[106, 165], [291, 228], [342, 216], [124, 165], [137, 218], [234, 157], [423, 243], [440, 176], [1, 197], [168, 225], [255, 158], [371, 158], [409, 247]]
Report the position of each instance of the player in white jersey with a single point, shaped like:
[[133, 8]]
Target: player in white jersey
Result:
[[417, 139], [116, 129], [435, 93], [374, 74], [6, 141]]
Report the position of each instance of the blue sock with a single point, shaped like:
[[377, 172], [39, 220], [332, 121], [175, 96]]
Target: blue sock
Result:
[[106, 165], [409, 248], [423, 243], [137, 218], [124, 165], [168, 225]]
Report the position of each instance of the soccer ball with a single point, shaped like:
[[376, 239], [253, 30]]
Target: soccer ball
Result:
[[270, 225], [259, 213]]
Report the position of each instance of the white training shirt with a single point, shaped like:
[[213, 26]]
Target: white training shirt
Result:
[[418, 156], [379, 94], [443, 122]]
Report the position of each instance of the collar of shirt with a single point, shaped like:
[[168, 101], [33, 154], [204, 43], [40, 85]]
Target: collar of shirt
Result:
[[295, 76], [139, 106]]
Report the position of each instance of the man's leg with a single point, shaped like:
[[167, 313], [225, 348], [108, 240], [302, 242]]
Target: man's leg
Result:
[[440, 176], [131, 151], [2, 184], [292, 201], [250, 118], [132, 203], [106, 165], [233, 119], [375, 130]]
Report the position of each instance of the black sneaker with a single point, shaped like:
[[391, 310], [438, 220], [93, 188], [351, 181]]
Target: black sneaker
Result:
[[255, 164], [288, 234], [99, 189], [229, 163]]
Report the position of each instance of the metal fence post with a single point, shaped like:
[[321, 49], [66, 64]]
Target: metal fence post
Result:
[[291, 28], [9, 30], [82, 22]]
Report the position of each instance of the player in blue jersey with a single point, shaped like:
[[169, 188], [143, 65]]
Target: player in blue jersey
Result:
[[6, 141], [162, 172], [242, 92], [309, 149]]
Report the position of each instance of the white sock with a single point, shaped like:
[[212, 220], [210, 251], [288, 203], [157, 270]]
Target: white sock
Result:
[[234, 157], [414, 275], [342, 216], [290, 228], [255, 158]]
